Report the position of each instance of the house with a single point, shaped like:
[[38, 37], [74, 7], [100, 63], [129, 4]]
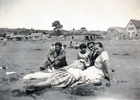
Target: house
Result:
[[36, 36], [92, 35], [27, 37], [47, 35], [9, 36], [74, 32], [133, 28], [88, 35], [77, 37], [116, 33], [18, 37]]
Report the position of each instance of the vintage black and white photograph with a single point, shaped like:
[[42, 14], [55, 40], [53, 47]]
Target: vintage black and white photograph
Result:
[[69, 49]]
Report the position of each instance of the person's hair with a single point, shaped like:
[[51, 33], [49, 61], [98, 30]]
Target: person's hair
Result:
[[64, 45], [83, 45], [90, 43], [99, 44], [52, 44], [58, 44]]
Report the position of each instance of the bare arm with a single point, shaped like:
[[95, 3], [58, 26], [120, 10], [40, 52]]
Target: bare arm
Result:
[[107, 69], [78, 57], [63, 55]]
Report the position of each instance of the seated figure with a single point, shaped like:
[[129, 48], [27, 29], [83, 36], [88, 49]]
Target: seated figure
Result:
[[83, 54], [56, 58], [75, 73]]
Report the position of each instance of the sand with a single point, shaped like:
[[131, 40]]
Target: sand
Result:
[[24, 57]]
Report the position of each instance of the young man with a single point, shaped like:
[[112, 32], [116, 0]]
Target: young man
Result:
[[56, 58]]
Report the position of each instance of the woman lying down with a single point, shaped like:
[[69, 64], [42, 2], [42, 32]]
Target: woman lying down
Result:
[[68, 76]]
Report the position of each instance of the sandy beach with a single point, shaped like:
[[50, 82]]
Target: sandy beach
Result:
[[24, 57]]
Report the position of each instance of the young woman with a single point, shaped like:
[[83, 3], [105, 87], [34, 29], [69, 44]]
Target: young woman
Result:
[[101, 68], [74, 74], [83, 55], [61, 78]]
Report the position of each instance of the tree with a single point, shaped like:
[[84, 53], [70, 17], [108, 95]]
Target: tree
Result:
[[57, 27]]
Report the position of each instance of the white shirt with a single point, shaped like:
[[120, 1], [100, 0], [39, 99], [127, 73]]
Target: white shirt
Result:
[[100, 59]]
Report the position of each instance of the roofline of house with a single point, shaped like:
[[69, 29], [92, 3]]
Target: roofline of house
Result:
[[116, 27], [128, 22], [133, 22]]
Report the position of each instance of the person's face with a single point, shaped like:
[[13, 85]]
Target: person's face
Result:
[[91, 47], [83, 50], [98, 49], [57, 48]]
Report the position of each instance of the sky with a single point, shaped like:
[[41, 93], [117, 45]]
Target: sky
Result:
[[91, 14]]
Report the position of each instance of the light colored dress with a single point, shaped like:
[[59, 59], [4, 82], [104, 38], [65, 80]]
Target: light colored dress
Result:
[[63, 77], [95, 73], [73, 73], [67, 76], [83, 56]]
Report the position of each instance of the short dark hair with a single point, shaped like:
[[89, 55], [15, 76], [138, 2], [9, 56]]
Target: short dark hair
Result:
[[64, 45], [58, 44], [83, 45], [100, 44]]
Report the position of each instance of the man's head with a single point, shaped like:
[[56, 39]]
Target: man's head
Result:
[[90, 46], [58, 46]]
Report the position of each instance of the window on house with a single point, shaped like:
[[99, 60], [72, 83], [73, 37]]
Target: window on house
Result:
[[36, 37], [137, 34], [130, 28], [131, 23], [128, 34], [133, 33], [104, 33]]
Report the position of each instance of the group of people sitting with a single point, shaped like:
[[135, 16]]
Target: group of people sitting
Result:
[[91, 66]]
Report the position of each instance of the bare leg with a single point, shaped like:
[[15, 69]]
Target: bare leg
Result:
[[37, 75], [45, 84], [46, 64], [38, 87]]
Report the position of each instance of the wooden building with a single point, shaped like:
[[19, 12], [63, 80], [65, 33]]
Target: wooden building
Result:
[[18, 37], [133, 28], [9, 36], [36, 36], [116, 33]]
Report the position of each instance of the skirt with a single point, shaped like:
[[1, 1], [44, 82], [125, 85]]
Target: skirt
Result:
[[93, 74], [62, 79]]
